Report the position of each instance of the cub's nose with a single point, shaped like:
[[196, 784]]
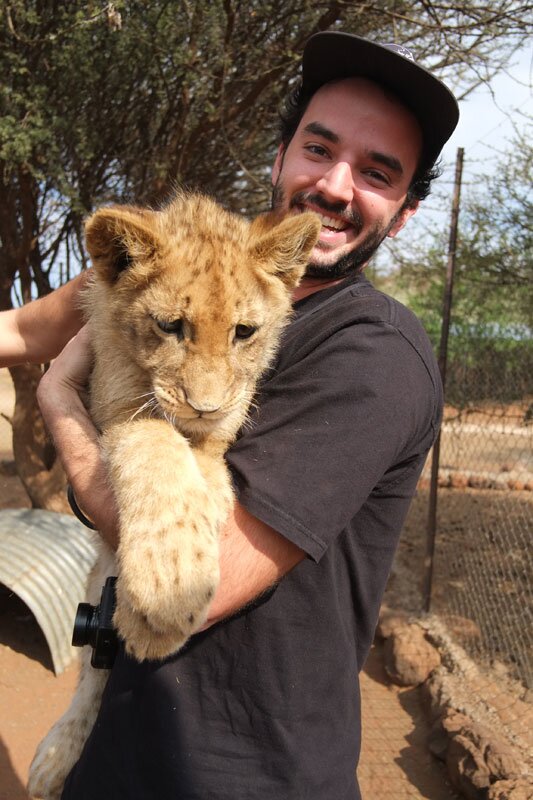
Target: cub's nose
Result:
[[202, 406]]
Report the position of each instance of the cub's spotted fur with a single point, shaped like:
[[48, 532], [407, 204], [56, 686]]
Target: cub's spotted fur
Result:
[[186, 311]]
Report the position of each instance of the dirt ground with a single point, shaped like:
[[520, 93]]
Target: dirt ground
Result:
[[395, 761], [32, 697]]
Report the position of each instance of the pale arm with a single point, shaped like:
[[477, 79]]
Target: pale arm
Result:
[[38, 331], [252, 555]]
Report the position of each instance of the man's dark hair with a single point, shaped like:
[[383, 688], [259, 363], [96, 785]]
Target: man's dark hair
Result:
[[291, 114]]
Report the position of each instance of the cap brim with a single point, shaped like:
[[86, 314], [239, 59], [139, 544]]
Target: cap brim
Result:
[[332, 56]]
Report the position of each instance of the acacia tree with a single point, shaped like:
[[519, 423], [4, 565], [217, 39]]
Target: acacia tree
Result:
[[124, 101]]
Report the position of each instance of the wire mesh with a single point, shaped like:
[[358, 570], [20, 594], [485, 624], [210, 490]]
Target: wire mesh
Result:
[[483, 569]]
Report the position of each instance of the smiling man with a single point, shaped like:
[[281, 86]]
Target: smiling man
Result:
[[351, 160], [264, 703]]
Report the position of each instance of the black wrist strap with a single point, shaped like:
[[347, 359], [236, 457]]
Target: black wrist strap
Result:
[[76, 510]]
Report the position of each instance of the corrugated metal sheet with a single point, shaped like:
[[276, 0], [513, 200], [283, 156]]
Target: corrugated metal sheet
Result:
[[45, 559]]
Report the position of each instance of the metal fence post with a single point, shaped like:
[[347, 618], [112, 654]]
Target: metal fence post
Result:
[[443, 354]]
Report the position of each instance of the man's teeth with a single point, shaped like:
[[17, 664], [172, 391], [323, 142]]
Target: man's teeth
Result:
[[329, 222]]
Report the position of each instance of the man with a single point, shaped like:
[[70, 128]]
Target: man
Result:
[[265, 701]]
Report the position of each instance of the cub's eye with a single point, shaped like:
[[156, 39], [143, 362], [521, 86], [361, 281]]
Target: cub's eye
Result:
[[244, 331], [174, 327]]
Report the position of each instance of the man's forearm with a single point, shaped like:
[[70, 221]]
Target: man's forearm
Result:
[[38, 331], [75, 437], [80, 453], [253, 557]]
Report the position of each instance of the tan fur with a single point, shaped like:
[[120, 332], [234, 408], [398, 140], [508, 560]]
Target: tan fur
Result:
[[168, 406]]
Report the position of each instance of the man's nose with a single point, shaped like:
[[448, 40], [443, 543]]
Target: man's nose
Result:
[[337, 183]]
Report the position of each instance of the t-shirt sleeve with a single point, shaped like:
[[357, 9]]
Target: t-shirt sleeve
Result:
[[326, 430]]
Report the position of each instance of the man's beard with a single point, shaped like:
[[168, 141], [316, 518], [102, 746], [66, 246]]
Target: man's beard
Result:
[[356, 259]]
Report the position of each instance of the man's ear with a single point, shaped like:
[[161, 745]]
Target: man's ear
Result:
[[278, 163], [283, 248], [404, 215], [118, 238]]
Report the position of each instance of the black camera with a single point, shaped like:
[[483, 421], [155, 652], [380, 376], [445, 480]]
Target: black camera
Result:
[[94, 626]]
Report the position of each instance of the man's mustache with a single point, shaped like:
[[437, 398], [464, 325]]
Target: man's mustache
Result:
[[349, 215]]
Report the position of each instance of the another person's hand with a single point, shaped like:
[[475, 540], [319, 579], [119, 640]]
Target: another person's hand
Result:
[[74, 435]]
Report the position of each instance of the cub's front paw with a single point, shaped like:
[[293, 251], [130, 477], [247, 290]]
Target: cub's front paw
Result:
[[141, 640], [169, 576]]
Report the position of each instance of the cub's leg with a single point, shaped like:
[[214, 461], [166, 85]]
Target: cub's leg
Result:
[[62, 746], [169, 522]]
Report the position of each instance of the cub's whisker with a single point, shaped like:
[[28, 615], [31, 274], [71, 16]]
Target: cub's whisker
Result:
[[149, 403], [146, 394]]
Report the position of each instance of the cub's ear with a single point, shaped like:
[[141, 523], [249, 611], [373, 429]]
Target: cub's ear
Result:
[[120, 237], [283, 247]]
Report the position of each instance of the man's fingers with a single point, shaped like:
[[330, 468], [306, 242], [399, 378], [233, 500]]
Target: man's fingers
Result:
[[72, 367]]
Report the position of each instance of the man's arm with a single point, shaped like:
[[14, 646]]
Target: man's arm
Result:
[[38, 331], [253, 556]]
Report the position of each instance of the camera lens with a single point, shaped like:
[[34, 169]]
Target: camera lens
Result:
[[94, 626], [83, 625]]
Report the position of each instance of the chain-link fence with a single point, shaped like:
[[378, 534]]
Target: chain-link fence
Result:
[[483, 567], [481, 590]]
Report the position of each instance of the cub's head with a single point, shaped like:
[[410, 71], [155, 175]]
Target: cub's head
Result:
[[192, 300]]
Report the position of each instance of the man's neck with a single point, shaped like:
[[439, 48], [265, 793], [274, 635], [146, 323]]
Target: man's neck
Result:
[[311, 285]]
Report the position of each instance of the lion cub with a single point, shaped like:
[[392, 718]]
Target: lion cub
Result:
[[186, 311]]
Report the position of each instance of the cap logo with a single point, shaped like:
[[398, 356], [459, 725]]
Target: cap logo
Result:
[[401, 50]]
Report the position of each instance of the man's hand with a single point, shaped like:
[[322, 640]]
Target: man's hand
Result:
[[74, 435], [71, 369]]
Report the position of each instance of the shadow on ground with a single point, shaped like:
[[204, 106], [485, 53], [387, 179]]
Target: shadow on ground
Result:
[[395, 760], [12, 788], [419, 765], [20, 632]]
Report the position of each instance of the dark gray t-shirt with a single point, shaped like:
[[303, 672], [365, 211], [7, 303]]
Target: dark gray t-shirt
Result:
[[266, 704]]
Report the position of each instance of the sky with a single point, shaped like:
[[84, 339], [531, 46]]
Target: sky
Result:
[[486, 118], [484, 130]]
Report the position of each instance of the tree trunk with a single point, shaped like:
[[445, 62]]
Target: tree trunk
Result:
[[37, 464]]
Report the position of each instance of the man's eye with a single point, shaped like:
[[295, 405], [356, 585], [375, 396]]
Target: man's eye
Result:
[[379, 177], [316, 149], [244, 331], [174, 327]]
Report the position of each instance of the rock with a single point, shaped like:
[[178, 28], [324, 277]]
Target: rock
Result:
[[432, 695], [463, 628], [390, 621], [527, 697], [500, 759], [458, 480], [521, 789], [475, 757], [496, 752], [409, 658], [480, 482], [455, 723], [443, 479], [466, 767], [438, 740]]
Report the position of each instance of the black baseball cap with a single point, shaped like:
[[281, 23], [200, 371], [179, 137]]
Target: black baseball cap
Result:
[[332, 56]]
